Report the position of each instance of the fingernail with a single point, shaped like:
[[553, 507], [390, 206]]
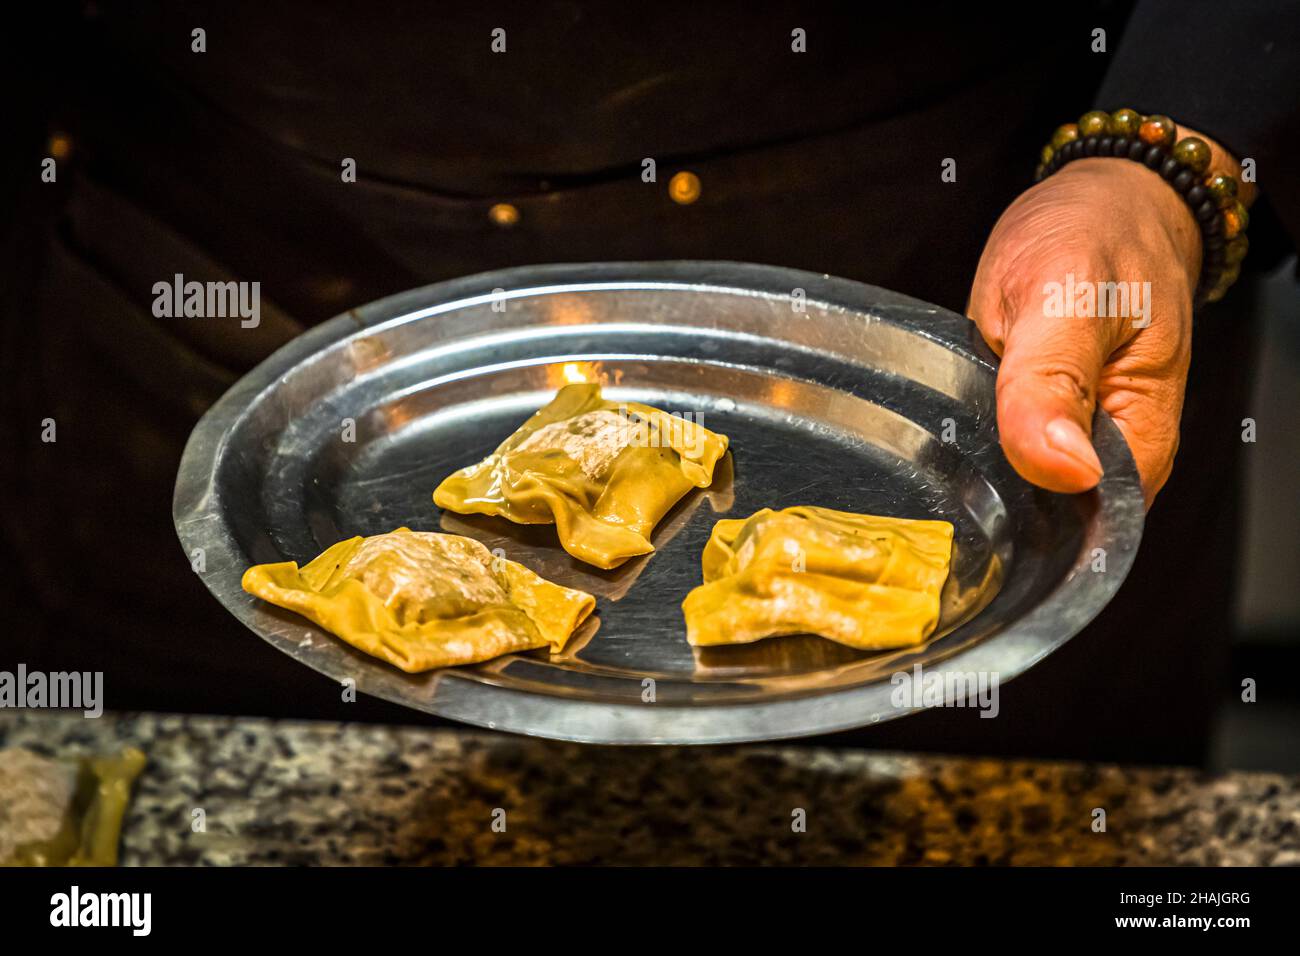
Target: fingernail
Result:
[[1069, 439]]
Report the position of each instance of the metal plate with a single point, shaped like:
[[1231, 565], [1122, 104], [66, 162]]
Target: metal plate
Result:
[[833, 393]]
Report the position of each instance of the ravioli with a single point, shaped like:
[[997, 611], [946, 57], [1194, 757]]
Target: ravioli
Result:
[[64, 813], [420, 599], [869, 582], [604, 473]]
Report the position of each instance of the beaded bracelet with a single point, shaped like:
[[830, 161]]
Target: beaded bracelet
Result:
[[1153, 141]]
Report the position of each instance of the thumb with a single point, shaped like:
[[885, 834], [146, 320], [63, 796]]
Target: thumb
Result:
[[1047, 391]]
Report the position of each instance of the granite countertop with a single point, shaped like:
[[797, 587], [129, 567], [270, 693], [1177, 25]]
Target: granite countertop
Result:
[[323, 793]]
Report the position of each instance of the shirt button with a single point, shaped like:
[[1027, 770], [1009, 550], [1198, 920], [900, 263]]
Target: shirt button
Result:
[[60, 146], [684, 188], [504, 214]]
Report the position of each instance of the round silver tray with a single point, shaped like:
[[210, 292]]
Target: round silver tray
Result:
[[833, 393]]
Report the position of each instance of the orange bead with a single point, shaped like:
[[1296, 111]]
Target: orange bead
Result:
[[1158, 131], [1235, 220]]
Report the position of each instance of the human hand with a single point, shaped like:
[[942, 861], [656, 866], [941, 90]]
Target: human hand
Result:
[[1094, 224]]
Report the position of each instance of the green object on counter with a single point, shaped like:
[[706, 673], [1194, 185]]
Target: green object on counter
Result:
[[92, 819]]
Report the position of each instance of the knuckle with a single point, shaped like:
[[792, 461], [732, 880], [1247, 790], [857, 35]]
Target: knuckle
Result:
[[1072, 382], [1063, 379]]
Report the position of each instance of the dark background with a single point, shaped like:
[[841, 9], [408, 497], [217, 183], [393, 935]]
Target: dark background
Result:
[[225, 165]]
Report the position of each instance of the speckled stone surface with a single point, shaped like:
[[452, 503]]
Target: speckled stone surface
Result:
[[321, 794]]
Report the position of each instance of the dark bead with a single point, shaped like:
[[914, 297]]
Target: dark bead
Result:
[[1090, 146], [1094, 123], [1237, 248], [1137, 150], [1215, 242], [1125, 122], [1154, 157], [1194, 152], [1066, 133], [1212, 228], [1197, 195], [1207, 211], [1105, 145], [1121, 146], [1222, 188], [1170, 168], [1076, 149], [1184, 180]]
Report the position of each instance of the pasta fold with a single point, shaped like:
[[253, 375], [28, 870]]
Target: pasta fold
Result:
[[869, 582]]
